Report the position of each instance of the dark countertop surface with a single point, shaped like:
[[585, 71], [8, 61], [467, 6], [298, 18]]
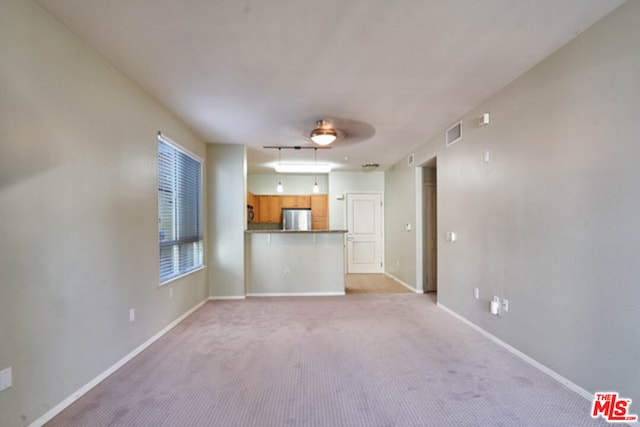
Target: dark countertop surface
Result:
[[293, 231]]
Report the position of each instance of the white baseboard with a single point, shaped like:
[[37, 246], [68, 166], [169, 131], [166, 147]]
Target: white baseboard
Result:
[[97, 380], [227, 298], [299, 294], [553, 374], [406, 285]]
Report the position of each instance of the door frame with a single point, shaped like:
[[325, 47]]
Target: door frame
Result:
[[428, 210], [421, 215], [346, 223]]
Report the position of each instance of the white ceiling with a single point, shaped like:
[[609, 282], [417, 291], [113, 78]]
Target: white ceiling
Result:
[[260, 72]]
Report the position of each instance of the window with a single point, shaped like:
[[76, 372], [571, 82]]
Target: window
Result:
[[179, 211]]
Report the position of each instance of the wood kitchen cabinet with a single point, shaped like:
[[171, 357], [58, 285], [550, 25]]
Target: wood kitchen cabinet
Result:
[[276, 209], [269, 209], [320, 204], [251, 199], [319, 212], [297, 201]]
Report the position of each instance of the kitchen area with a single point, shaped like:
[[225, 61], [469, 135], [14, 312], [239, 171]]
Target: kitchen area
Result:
[[264, 211], [289, 247]]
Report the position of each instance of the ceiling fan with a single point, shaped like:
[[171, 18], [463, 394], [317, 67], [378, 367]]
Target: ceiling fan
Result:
[[326, 131]]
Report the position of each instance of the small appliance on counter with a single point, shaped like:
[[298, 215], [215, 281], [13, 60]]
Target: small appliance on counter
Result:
[[296, 219], [250, 214]]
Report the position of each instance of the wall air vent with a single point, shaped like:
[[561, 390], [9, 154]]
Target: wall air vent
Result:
[[454, 133]]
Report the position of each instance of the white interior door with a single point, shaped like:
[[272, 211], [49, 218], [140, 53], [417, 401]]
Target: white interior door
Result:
[[364, 238]]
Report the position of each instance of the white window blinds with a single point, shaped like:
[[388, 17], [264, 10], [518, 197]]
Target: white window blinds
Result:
[[179, 211]]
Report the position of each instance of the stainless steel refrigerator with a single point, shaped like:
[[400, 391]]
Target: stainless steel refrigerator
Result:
[[296, 219]]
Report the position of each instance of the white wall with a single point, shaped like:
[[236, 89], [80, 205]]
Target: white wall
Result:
[[551, 222], [226, 215], [314, 263], [341, 183], [400, 209], [78, 202], [291, 183]]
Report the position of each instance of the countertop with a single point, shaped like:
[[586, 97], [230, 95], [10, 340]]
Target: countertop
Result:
[[293, 231]]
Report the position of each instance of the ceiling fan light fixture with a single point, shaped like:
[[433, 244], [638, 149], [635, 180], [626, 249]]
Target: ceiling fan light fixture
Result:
[[322, 134]]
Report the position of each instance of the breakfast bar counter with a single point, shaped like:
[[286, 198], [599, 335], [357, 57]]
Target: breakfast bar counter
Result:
[[294, 262]]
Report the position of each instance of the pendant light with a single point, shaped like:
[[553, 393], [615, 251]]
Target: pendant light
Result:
[[279, 187], [316, 189]]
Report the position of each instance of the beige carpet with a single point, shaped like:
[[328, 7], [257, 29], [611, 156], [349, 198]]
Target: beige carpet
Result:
[[355, 360]]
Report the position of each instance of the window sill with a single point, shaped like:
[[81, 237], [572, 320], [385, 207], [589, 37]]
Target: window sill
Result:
[[173, 279]]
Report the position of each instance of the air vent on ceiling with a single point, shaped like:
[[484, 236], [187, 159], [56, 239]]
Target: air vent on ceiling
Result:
[[454, 133]]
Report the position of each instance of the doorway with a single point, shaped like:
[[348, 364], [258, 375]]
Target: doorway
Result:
[[364, 238], [430, 226]]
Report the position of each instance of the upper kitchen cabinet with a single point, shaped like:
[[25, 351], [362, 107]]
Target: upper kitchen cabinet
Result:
[[319, 212], [251, 199], [269, 209], [297, 201], [320, 204]]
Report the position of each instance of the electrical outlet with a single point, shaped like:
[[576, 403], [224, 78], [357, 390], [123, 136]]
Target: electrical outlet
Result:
[[495, 306], [287, 271], [476, 293], [170, 292], [132, 314], [6, 379], [505, 305]]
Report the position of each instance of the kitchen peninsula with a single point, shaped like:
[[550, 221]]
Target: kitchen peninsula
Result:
[[280, 262]]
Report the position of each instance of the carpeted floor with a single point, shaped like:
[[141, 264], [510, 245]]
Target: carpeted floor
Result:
[[356, 360]]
